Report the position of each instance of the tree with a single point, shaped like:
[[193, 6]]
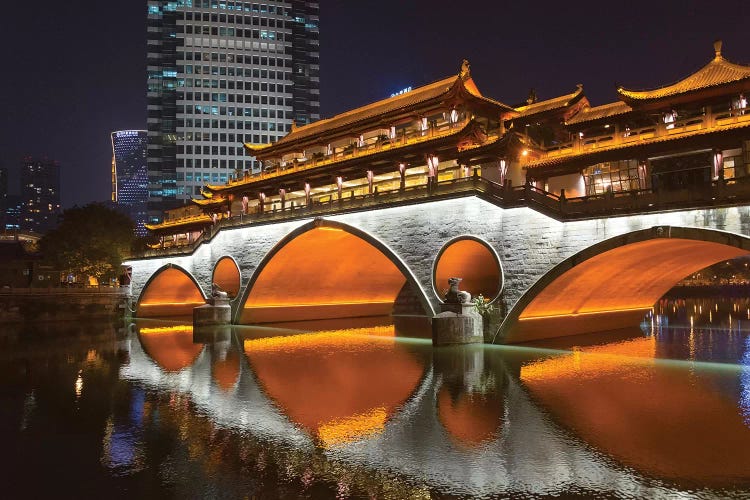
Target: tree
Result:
[[89, 241]]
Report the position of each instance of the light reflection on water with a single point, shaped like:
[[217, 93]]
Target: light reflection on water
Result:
[[336, 409]]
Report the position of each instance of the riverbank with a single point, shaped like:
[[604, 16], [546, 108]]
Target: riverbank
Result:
[[21, 305]]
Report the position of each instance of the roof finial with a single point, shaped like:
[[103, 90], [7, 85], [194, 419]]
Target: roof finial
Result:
[[465, 70], [294, 126], [717, 48], [532, 97]]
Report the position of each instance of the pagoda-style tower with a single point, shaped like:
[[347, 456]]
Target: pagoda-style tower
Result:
[[676, 137]]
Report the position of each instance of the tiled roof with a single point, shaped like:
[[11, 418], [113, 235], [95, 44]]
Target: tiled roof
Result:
[[597, 112], [383, 107], [262, 177], [549, 104], [717, 72], [215, 200], [201, 219], [372, 110]]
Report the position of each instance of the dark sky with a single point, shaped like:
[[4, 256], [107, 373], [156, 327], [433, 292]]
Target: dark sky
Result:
[[74, 71]]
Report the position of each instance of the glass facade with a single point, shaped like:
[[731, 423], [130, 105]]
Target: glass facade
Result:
[[3, 188], [614, 176], [130, 175], [221, 73]]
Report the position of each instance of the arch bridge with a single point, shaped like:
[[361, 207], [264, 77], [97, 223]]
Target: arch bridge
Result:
[[548, 276]]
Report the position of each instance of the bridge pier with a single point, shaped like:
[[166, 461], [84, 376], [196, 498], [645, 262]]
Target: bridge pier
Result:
[[459, 322], [217, 312]]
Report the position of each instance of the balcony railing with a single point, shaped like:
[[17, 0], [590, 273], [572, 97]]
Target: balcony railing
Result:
[[407, 138], [619, 137], [731, 192]]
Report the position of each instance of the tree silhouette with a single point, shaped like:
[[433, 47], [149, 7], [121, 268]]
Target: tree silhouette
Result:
[[89, 241]]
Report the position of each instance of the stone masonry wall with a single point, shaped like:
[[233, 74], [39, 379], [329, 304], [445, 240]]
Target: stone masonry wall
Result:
[[529, 243]]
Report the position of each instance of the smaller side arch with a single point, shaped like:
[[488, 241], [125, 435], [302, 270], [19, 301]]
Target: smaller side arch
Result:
[[613, 283], [226, 275], [475, 261], [170, 291]]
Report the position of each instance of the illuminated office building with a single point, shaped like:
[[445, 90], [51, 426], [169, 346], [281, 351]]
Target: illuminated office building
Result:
[[130, 175], [220, 74], [40, 194]]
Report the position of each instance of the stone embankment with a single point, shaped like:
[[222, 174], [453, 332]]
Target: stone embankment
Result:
[[62, 304]]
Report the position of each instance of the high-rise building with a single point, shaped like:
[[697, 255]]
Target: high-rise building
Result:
[[221, 73], [40, 194], [11, 219], [3, 188], [4, 218], [130, 175]]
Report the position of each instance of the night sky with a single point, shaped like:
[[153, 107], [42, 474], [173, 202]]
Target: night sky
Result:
[[74, 71]]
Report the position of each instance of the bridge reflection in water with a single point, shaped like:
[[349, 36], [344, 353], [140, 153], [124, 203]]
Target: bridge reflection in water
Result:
[[656, 410]]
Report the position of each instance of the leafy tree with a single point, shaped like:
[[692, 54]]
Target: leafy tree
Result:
[[89, 241]]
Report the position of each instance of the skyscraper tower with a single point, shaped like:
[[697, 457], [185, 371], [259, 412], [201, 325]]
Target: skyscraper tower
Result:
[[221, 73], [3, 198], [3, 187], [130, 175], [40, 194]]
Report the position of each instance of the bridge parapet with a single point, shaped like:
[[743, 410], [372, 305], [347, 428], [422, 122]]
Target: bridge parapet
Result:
[[734, 192]]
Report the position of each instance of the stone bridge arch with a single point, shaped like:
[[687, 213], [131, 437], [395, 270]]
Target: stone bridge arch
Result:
[[613, 283], [329, 269], [170, 291]]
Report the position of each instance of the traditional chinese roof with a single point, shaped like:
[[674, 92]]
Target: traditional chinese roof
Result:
[[384, 109], [590, 114], [716, 73], [553, 104], [704, 136], [211, 200], [449, 139], [183, 222]]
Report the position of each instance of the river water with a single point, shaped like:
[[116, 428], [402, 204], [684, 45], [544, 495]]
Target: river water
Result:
[[367, 410]]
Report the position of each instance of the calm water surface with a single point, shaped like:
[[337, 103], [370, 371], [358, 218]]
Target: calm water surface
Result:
[[342, 410]]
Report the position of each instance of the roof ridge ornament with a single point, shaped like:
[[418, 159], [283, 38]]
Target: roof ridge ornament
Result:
[[717, 48], [465, 70], [531, 99], [294, 126]]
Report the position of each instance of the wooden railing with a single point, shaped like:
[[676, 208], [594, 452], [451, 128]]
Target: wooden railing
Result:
[[721, 192], [618, 137], [379, 145]]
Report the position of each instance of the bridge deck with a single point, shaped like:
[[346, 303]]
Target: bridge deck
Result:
[[718, 193]]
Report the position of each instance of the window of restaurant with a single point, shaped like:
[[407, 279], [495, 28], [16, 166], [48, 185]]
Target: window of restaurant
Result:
[[683, 171], [615, 176], [734, 166]]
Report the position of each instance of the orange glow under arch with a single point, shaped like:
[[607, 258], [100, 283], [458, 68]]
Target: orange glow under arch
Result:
[[614, 287], [226, 370], [473, 261], [658, 421], [338, 385], [170, 347], [323, 272], [170, 292], [470, 419], [227, 276]]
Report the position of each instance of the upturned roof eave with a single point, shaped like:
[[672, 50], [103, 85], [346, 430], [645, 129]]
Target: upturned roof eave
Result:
[[717, 73], [346, 163], [455, 86], [305, 137]]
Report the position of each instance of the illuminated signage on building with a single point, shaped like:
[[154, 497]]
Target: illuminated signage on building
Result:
[[402, 91], [127, 133]]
